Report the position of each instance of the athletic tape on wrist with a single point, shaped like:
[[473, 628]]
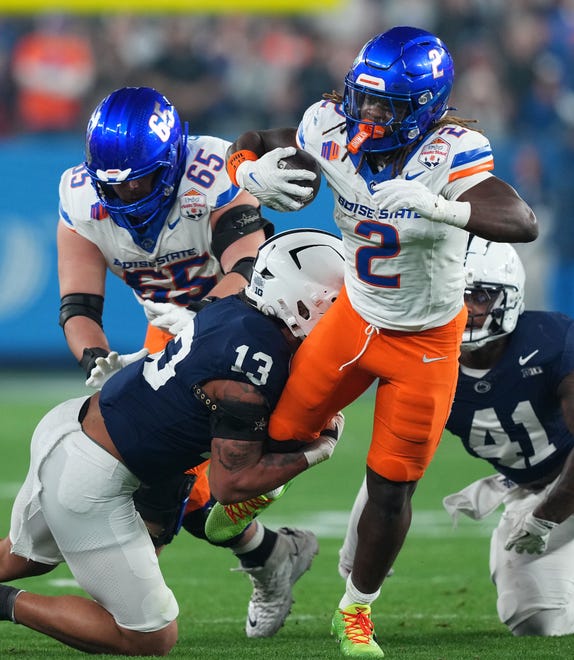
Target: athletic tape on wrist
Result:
[[235, 161]]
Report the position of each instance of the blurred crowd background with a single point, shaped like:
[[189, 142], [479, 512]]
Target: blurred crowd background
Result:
[[226, 73]]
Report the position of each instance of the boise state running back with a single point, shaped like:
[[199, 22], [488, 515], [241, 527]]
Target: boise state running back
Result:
[[386, 248], [409, 182]]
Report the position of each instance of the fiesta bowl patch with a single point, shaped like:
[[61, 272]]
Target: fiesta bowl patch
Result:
[[193, 205], [434, 153]]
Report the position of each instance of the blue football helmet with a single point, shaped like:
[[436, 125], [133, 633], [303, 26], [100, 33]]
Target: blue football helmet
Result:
[[133, 132], [397, 87]]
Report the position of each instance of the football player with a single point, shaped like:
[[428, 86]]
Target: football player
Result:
[[514, 407], [210, 392], [409, 182], [155, 207]]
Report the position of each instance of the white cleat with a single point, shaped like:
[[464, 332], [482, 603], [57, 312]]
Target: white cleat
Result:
[[272, 595]]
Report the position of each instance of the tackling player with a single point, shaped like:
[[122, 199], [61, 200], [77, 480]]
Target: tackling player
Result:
[[156, 207], [409, 182], [514, 407], [210, 392]]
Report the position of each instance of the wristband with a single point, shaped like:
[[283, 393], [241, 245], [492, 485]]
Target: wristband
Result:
[[451, 212], [320, 451], [89, 357], [235, 160], [244, 267], [536, 525], [317, 455]]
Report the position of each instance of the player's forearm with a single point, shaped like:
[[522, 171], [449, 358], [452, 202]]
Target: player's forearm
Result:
[[260, 142], [272, 470], [559, 503], [81, 332]]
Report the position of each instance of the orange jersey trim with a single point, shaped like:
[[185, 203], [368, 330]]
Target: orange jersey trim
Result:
[[483, 167]]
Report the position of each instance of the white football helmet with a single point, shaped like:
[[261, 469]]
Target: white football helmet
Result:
[[495, 272], [297, 275]]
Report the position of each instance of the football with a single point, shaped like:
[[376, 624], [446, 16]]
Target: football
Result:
[[301, 160]]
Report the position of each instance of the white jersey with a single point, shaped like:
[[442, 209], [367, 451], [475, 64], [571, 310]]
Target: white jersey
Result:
[[181, 264], [402, 272]]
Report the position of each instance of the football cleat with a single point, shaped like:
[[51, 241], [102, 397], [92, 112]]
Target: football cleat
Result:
[[273, 582], [355, 632], [226, 521]]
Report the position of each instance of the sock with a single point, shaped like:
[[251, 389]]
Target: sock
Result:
[[256, 552], [353, 595], [8, 597]]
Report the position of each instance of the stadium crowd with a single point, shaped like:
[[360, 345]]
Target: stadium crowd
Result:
[[229, 72]]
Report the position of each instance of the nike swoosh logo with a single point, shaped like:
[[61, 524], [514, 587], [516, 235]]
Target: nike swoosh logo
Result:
[[251, 622], [523, 360], [252, 177], [173, 224], [410, 177], [426, 359]]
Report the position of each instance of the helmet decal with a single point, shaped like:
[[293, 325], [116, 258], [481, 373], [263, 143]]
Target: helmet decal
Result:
[[135, 132], [296, 277]]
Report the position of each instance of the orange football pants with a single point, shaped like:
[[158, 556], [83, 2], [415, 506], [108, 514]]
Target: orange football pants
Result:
[[200, 495], [416, 373]]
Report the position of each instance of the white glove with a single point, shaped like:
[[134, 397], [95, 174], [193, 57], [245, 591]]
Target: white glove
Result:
[[530, 534], [168, 316], [322, 448], [151, 312], [398, 194], [106, 367], [272, 184]]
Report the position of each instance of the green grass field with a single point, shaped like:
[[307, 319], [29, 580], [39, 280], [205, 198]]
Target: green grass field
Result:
[[439, 605]]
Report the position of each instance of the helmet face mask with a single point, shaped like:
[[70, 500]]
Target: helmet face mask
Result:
[[494, 294], [134, 132], [297, 275], [412, 73]]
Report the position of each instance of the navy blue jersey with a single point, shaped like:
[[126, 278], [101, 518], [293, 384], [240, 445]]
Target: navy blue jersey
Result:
[[157, 424], [511, 417]]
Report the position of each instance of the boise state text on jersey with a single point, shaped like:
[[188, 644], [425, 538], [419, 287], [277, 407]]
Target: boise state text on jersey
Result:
[[179, 265], [404, 272]]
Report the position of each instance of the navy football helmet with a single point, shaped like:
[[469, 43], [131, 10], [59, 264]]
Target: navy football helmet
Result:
[[494, 283], [136, 131], [397, 87]]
